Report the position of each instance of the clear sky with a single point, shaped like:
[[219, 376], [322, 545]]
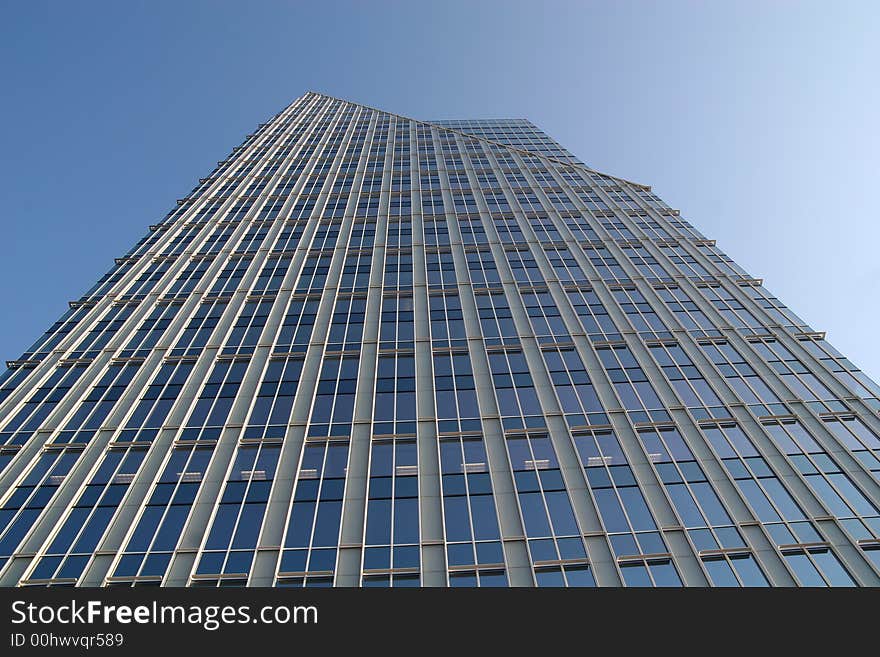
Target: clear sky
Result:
[[757, 119]]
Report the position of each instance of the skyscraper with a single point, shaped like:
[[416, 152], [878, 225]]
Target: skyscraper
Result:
[[369, 350]]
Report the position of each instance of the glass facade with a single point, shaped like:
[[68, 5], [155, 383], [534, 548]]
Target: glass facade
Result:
[[374, 351]]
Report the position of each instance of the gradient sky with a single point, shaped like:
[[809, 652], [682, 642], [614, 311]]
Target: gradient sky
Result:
[[756, 119]]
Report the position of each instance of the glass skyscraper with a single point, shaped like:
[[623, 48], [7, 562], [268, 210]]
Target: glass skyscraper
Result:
[[374, 351]]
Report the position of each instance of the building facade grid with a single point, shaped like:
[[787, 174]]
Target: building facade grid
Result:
[[374, 351]]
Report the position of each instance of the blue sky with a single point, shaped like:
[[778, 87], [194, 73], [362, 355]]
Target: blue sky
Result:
[[756, 119]]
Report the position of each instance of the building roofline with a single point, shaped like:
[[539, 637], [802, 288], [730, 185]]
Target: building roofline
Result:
[[483, 139]]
